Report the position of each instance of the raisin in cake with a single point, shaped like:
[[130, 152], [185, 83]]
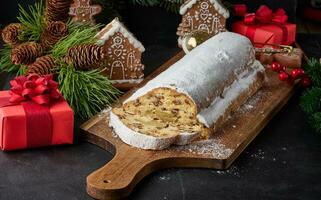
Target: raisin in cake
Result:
[[192, 98]]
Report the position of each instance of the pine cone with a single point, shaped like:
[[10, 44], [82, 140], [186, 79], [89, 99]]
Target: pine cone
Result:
[[26, 53], [183, 29], [58, 10], [42, 66], [53, 33], [85, 56], [11, 32]]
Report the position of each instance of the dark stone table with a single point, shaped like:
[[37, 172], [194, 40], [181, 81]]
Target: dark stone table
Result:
[[283, 162]]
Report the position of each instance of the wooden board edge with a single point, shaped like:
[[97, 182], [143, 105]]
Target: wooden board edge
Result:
[[258, 130], [125, 86], [94, 139]]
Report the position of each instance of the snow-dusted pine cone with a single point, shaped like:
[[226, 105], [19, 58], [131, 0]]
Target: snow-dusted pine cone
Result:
[[42, 66], [58, 10], [54, 31], [10, 33], [183, 29], [85, 57], [26, 53]]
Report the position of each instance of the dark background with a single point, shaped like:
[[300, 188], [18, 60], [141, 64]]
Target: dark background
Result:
[[283, 162]]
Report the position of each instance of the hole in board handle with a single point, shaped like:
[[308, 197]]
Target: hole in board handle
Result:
[[106, 181]]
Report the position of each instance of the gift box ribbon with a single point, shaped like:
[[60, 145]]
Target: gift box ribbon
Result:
[[35, 94], [263, 16]]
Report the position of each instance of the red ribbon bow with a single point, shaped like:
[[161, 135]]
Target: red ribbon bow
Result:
[[265, 15], [38, 89]]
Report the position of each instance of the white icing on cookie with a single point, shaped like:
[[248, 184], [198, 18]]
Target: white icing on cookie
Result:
[[114, 27], [216, 3]]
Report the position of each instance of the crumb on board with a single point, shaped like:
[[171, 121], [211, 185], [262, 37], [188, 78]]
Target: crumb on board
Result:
[[211, 147]]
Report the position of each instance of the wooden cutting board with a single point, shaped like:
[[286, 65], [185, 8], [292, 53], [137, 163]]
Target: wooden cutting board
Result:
[[130, 165]]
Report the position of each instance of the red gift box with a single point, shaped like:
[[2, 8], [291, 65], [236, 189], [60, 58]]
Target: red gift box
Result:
[[14, 126], [266, 27], [34, 114], [266, 34]]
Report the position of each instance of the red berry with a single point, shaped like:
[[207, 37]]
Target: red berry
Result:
[[306, 82], [295, 73], [283, 76], [301, 71], [275, 66]]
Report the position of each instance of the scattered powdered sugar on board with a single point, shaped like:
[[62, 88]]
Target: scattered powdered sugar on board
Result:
[[252, 102], [105, 112], [260, 155], [165, 178], [233, 170], [211, 147]]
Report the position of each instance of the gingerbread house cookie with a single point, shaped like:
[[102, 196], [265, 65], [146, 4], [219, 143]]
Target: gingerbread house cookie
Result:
[[202, 15], [124, 51]]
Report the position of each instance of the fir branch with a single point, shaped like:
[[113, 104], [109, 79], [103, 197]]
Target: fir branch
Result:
[[87, 92], [311, 100], [146, 2], [22, 70], [5, 60], [32, 21], [78, 34], [315, 121], [111, 9], [170, 5], [313, 69]]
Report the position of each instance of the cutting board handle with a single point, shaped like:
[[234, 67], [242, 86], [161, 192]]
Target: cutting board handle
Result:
[[117, 178]]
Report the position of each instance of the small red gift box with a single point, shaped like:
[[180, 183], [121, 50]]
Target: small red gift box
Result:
[[26, 124], [266, 27], [266, 34]]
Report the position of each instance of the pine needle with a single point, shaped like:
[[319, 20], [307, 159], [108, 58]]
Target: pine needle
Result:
[[78, 34], [311, 100], [87, 92], [313, 69], [315, 121], [22, 70], [32, 21], [5, 61], [170, 5]]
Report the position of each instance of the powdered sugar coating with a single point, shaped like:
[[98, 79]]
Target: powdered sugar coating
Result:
[[199, 75], [220, 104], [202, 72], [128, 81]]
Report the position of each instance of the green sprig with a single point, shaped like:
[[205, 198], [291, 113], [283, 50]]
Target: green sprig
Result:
[[170, 5], [5, 61], [87, 92], [78, 34], [310, 101], [313, 69], [32, 21]]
